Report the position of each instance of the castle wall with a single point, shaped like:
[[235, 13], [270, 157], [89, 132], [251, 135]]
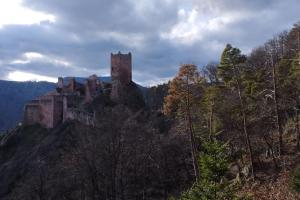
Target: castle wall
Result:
[[47, 111], [91, 88], [57, 110], [65, 108], [81, 116], [72, 85], [31, 114], [116, 91], [69, 102]]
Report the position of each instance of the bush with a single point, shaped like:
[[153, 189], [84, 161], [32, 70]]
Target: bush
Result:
[[295, 179]]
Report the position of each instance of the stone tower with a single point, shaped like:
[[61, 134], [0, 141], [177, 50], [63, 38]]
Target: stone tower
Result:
[[121, 67], [121, 73]]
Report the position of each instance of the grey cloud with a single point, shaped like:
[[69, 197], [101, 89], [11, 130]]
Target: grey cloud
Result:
[[126, 15], [87, 31]]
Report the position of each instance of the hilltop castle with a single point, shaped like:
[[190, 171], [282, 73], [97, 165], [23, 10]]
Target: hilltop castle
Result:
[[61, 105], [121, 73]]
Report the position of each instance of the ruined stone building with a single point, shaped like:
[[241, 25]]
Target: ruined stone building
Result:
[[121, 73], [61, 105]]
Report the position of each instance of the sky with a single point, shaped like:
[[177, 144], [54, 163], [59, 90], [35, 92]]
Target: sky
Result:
[[45, 39]]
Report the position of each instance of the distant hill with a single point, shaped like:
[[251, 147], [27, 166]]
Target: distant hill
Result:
[[106, 79], [15, 94]]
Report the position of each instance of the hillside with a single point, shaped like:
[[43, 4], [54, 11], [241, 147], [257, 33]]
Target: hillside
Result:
[[130, 155]]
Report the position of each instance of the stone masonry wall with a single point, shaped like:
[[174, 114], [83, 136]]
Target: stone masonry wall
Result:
[[47, 111], [57, 110], [121, 73], [121, 67], [31, 113], [81, 116]]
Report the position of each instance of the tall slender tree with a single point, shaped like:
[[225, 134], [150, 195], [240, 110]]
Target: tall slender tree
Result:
[[182, 102], [274, 55], [231, 71], [294, 84]]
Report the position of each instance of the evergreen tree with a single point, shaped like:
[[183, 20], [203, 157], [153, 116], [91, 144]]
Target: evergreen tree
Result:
[[293, 80], [211, 107], [213, 165], [232, 71]]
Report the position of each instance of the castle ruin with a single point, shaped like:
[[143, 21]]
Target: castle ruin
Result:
[[121, 73], [61, 105]]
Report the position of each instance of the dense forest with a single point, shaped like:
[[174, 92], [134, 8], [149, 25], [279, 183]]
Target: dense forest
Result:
[[242, 113], [227, 130]]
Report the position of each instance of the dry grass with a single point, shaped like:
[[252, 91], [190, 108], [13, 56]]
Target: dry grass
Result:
[[272, 185], [276, 189]]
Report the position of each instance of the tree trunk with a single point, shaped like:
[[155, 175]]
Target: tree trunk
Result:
[[192, 146], [245, 129], [272, 152], [297, 130], [277, 114], [191, 132], [211, 122]]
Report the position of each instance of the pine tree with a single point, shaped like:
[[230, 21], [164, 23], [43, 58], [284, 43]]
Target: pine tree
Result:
[[231, 71], [294, 85], [211, 106], [213, 165]]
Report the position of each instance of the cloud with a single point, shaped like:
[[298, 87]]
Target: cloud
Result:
[[193, 25], [24, 76], [76, 37], [12, 12], [30, 57]]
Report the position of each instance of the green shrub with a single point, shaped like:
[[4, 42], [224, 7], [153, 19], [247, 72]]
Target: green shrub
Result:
[[295, 179]]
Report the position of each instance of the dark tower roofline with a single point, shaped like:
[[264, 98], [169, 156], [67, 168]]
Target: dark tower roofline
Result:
[[119, 53]]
